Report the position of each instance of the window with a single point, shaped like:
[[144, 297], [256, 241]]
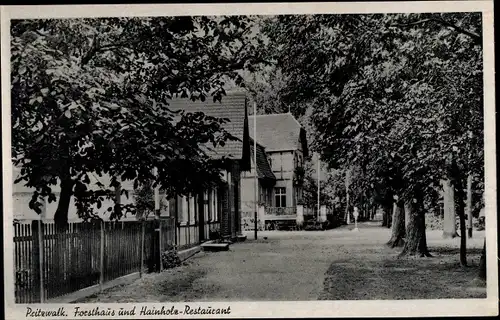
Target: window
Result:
[[280, 197]]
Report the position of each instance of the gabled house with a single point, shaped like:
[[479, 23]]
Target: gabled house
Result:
[[265, 178], [284, 140], [219, 207]]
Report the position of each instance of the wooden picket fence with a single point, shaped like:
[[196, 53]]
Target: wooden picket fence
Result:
[[50, 263]]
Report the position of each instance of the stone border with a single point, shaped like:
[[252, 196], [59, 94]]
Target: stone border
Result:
[[188, 253]]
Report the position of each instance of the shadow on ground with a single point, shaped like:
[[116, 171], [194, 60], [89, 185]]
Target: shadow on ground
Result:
[[382, 275]]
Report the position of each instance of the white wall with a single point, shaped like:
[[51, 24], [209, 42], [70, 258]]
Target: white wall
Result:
[[22, 195]]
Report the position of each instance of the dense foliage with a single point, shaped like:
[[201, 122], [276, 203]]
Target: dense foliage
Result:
[[398, 96], [90, 96]]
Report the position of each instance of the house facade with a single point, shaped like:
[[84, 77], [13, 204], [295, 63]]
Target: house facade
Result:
[[283, 140], [21, 196], [217, 209], [266, 180], [197, 216]]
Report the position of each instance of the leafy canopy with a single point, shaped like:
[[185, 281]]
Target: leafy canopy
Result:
[[90, 97], [392, 94]]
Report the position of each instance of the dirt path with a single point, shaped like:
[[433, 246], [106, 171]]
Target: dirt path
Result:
[[305, 265], [285, 266]]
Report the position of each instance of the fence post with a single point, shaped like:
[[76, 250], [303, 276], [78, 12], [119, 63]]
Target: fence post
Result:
[[37, 234], [41, 251], [160, 243], [101, 266], [142, 247]]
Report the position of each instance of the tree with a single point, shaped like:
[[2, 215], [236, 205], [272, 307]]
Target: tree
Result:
[[398, 231], [482, 263], [402, 89], [90, 96], [310, 188], [449, 218], [264, 87]]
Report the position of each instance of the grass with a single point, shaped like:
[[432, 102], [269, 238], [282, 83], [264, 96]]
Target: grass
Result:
[[383, 276]]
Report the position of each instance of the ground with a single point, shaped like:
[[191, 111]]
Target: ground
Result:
[[338, 264]]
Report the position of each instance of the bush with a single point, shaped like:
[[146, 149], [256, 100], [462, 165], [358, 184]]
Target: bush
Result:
[[248, 224], [170, 259], [433, 222], [327, 225], [479, 223]]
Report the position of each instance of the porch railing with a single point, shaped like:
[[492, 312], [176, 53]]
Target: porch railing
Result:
[[281, 211], [309, 211]]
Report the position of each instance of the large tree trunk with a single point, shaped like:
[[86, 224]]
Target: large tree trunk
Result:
[[61, 214], [387, 209], [398, 226], [469, 206], [482, 263], [416, 242], [407, 209], [387, 215], [461, 214], [384, 216], [457, 186], [61, 223], [449, 219], [118, 199]]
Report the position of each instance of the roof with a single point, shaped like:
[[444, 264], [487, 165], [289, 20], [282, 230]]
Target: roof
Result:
[[278, 132], [232, 107], [263, 167]]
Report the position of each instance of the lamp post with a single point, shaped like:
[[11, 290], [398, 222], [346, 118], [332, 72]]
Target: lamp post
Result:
[[156, 195], [256, 185], [347, 178], [469, 187], [319, 204]]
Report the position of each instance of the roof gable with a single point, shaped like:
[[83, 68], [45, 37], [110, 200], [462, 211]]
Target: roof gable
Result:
[[232, 107], [264, 170], [278, 132]]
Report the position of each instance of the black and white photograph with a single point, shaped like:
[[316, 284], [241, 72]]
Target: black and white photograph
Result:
[[243, 160]]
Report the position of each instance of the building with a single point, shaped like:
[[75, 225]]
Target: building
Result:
[[21, 196], [265, 178], [197, 216], [283, 140], [218, 209], [266, 181]]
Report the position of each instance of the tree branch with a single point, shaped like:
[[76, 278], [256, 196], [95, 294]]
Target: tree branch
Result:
[[93, 49], [96, 48], [475, 37]]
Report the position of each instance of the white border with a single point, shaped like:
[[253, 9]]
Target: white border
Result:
[[373, 308]]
